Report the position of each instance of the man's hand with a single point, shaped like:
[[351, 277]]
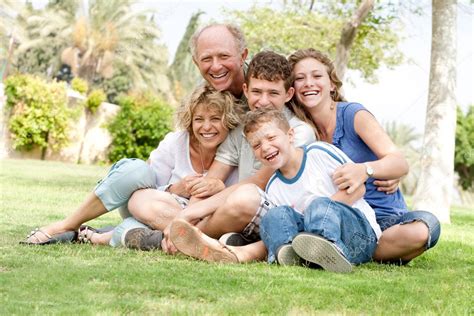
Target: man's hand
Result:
[[387, 186], [179, 188]]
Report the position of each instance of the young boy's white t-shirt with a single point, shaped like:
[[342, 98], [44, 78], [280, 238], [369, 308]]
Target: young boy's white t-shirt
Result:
[[313, 180], [236, 151]]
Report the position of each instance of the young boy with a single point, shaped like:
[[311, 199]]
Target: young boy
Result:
[[312, 219], [307, 223]]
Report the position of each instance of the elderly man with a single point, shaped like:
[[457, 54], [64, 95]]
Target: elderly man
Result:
[[219, 51]]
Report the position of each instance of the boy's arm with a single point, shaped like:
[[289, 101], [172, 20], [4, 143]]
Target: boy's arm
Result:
[[208, 206], [225, 161], [219, 170], [213, 182]]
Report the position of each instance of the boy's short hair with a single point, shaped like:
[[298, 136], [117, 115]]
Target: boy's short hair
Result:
[[270, 66], [255, 119]]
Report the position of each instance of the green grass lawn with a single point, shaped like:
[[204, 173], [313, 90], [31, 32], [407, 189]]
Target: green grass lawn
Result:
[[66, 279]]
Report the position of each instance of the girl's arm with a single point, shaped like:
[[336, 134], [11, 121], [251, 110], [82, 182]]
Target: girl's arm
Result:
[[390, 165]]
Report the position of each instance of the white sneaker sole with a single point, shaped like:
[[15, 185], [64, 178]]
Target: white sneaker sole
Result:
[[286, 256], [318, 250]]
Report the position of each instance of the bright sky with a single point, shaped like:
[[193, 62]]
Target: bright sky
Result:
[[401, 93]]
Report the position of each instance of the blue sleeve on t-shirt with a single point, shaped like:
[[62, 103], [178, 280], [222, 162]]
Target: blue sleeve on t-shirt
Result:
[[349, 113]]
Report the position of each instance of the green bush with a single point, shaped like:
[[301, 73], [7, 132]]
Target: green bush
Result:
[[464, 152], [94, 99], [39, 115], [80, 85], [139, 126], [117, 86]]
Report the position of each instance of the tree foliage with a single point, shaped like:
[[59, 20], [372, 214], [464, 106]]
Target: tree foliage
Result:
[[183, 73], [139, 126], [80, 85], [406, 139], [464, 152], [39, 115], [32, 55], [119, 84], [94, 100], [294, 26], [110, 36]]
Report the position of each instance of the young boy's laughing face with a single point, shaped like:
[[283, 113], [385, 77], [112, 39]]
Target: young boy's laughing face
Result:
[[270, 144]]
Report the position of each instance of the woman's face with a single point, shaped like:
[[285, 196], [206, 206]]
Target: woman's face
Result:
[[208, 126], [312, 83]]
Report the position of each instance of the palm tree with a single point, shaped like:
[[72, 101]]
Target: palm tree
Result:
[[94, 40], [9, 32]]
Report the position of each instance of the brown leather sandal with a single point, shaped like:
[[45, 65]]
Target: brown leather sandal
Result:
[[84, 234], [40, 238]]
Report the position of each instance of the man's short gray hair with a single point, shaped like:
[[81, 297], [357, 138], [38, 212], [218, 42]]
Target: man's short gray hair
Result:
[[236, 32]]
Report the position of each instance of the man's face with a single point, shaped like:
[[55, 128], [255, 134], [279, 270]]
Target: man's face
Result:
[[219, 60], [262, 93]]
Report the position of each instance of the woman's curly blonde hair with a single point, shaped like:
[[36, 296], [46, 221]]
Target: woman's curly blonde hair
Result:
[[222, 101]]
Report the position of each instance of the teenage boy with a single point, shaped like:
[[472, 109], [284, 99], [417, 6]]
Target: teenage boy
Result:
[[268, 85], [313, 220]]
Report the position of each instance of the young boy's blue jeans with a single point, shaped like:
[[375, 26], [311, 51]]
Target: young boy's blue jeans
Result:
[[339, 223]]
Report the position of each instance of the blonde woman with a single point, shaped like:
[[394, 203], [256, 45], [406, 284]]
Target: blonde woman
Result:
[[173, 174]]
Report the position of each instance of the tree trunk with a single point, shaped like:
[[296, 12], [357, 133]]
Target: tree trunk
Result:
[[433, 192], [348, 35]]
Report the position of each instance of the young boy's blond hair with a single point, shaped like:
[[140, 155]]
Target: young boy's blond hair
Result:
[[255, 119]]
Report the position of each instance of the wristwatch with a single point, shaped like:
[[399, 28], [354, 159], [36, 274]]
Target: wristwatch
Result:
[[369, 170]]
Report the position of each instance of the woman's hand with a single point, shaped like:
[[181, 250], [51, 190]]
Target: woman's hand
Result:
[[181, 187], [202, 187], [350, 176], [387, 186]]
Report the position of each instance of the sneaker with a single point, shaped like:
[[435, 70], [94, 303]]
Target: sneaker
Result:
[[234, 239], [286, 256], [322, 252], [143, 239]]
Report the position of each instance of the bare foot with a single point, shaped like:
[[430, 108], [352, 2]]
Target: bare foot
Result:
[[191, 241], [89, 235], [45, 233]]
